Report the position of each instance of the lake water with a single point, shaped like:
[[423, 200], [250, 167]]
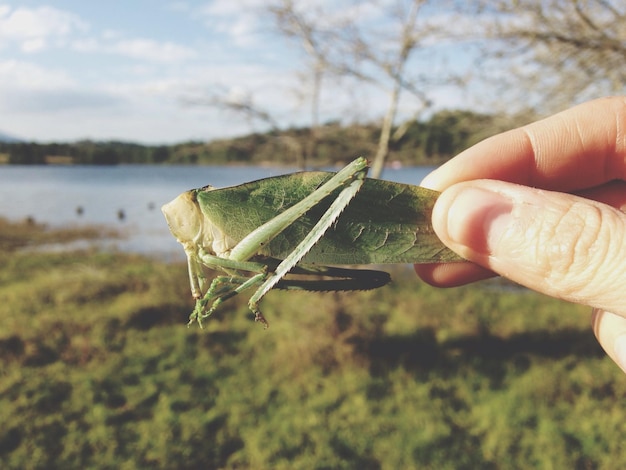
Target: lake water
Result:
[[126, 197]]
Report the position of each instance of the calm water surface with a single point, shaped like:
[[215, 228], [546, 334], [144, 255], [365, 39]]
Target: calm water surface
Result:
[[126, 197]]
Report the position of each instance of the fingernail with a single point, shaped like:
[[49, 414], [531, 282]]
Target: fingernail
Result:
[[620, 351], [478, 218]]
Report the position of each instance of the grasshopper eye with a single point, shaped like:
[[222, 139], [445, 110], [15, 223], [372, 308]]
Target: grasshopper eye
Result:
[[184, 217]]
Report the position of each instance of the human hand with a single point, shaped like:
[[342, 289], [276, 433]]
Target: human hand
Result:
[[542, 205]]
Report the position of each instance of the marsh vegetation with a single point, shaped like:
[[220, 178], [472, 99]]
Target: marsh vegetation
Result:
[[100, 371]]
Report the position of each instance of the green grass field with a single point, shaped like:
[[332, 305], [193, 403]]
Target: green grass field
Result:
[[100, 371]]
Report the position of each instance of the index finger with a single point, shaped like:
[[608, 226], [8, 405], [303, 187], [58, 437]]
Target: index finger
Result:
[[582, 147]]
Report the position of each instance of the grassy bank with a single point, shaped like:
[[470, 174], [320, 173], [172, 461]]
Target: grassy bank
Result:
[[100, 371]]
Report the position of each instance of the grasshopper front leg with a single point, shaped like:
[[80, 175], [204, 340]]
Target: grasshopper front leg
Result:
[[224, 287]]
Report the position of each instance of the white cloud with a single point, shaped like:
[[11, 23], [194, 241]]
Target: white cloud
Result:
[[33, 45], [26, 88], [16, 74], [147, 49], [34, 29], [85, 45], [223, 8], [178, 6], [135, 48], [111, 34], [240, 20]]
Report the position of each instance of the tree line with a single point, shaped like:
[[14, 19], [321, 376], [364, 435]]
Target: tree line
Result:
[[437, 139]]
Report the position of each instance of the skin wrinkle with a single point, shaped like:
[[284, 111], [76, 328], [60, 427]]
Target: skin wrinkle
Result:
[[570, 138], [620, 140], [610, 173], [614, 254], [581, 141], [615, 147], [594, 271], [545, 142], [539, 167], [576, 240], [610, 168], [588, 259], [531, 167], [572, 242]]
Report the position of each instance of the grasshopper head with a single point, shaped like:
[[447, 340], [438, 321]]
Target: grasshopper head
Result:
[[192, 228], [186, 221]]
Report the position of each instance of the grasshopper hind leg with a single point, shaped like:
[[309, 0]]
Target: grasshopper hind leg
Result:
[[323, 224], [339, 279]]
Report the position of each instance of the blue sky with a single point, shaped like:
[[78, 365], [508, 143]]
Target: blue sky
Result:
[[75, 69]]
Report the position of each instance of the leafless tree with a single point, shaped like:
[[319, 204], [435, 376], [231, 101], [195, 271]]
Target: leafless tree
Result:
[[242, 105], [342, 45], [393, 63], [311, 31], [558, 51]]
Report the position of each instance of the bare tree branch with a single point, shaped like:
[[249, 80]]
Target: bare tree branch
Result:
[[242, 105], [565, 50], [342, 46]]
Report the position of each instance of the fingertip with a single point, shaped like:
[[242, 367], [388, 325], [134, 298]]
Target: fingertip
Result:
[[452, 274], [430, 181], [610, 330]]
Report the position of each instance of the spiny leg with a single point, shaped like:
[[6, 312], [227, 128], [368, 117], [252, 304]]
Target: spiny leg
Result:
[[341, 279], [327, 219], [262, 235]]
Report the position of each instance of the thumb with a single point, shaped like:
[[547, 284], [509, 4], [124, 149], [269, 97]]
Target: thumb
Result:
[[559, 244]]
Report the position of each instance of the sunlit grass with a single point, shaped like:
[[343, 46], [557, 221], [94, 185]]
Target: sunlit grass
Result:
[[100, 371]]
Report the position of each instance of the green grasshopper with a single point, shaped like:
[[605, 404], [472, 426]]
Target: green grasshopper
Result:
[[259, 232]]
